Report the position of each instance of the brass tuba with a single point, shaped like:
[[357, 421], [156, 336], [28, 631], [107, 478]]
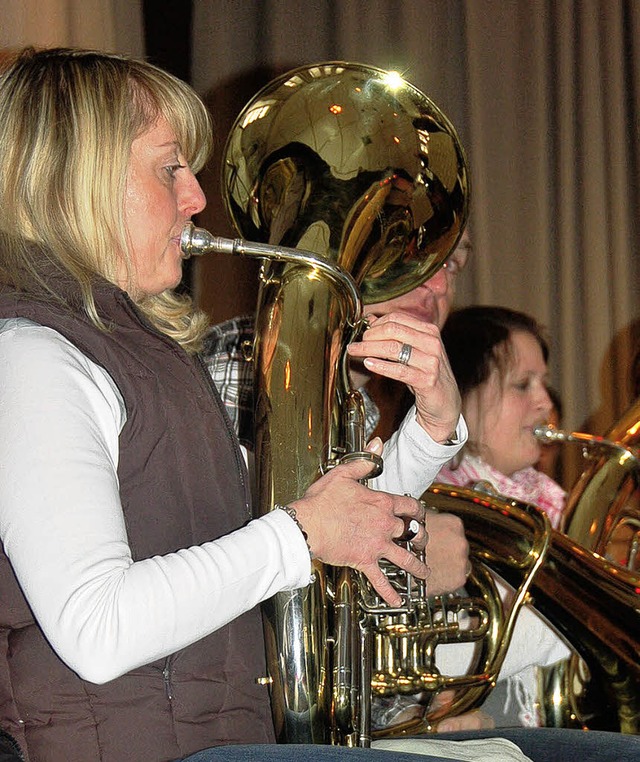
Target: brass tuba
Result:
[[356, 166], [602, 518], [591, 601], [352, 186]]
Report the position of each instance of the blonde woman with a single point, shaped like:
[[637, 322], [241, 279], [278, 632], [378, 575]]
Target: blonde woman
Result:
[[130, 569]]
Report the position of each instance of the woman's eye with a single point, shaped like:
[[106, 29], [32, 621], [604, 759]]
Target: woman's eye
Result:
[[171, 169]]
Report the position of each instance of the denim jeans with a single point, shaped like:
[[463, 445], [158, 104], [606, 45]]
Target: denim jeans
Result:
[[540, 744], [304, 753]]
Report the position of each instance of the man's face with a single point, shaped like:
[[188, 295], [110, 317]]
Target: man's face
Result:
[[432, 300]]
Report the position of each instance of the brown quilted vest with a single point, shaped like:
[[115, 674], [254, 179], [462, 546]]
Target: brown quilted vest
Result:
[[182, 482]]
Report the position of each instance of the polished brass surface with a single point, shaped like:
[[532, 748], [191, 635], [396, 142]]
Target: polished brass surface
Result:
[[365, 178], [602, 516], [592, 602], [352, 163], [507, 535], [603, 507]]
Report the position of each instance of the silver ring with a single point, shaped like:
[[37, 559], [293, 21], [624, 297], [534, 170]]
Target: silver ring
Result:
[[405, 354], [411, 529]]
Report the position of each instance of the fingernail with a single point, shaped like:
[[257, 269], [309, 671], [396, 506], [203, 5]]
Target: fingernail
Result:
[[375, 445]]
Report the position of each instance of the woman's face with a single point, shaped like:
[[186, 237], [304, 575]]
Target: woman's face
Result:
[[161, 195], [503, 412]]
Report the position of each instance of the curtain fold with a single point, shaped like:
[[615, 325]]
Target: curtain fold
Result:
[[114, 25], [556, 203]]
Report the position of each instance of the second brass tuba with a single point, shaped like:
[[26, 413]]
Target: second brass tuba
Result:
[[599, 612]]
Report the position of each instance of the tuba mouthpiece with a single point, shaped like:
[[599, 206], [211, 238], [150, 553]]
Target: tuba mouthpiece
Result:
[[198, 241]]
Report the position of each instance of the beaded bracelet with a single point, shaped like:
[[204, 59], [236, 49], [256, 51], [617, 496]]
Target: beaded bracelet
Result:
[[292, 513]]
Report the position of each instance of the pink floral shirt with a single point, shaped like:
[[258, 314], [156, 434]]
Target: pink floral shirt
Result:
[[527, 485]]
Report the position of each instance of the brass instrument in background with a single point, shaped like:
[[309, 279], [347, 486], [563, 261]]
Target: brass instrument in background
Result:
[[603, 507], [589, 584], [602, 620], [592, 602]]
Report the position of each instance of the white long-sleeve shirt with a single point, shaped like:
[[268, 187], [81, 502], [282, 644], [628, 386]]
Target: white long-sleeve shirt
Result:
[[63, 530]]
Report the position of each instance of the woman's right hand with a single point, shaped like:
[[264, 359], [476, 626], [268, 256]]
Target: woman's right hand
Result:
[[348, 524]]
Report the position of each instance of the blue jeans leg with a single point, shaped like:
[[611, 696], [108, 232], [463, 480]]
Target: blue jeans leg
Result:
[[563, 745], [304, 753]]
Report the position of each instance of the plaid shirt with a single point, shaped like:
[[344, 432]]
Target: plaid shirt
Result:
[[227, 354]]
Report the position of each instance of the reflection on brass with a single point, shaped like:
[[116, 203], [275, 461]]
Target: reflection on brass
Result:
[[352, 163], [405, 646], [593, 603], [603, 507]]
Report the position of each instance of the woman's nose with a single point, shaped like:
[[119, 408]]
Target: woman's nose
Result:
[[544, 401], [192, 199]]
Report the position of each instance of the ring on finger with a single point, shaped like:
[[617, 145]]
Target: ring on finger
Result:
[[411, 529], [405, 354]]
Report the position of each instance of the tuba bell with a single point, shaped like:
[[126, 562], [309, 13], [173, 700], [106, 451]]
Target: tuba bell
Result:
[[351, 186]]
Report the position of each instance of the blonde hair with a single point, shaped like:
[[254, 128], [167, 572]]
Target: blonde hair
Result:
[[68, 119]]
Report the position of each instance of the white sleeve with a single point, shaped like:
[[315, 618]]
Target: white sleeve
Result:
[[533, 643], [412, 459], [62, 525]]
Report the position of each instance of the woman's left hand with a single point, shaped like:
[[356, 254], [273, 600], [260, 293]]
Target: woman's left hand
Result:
[[407, 349]]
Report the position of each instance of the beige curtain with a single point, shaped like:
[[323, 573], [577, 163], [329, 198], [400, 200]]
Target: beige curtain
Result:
[[554, 99], [114, 25], [546, 97]]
